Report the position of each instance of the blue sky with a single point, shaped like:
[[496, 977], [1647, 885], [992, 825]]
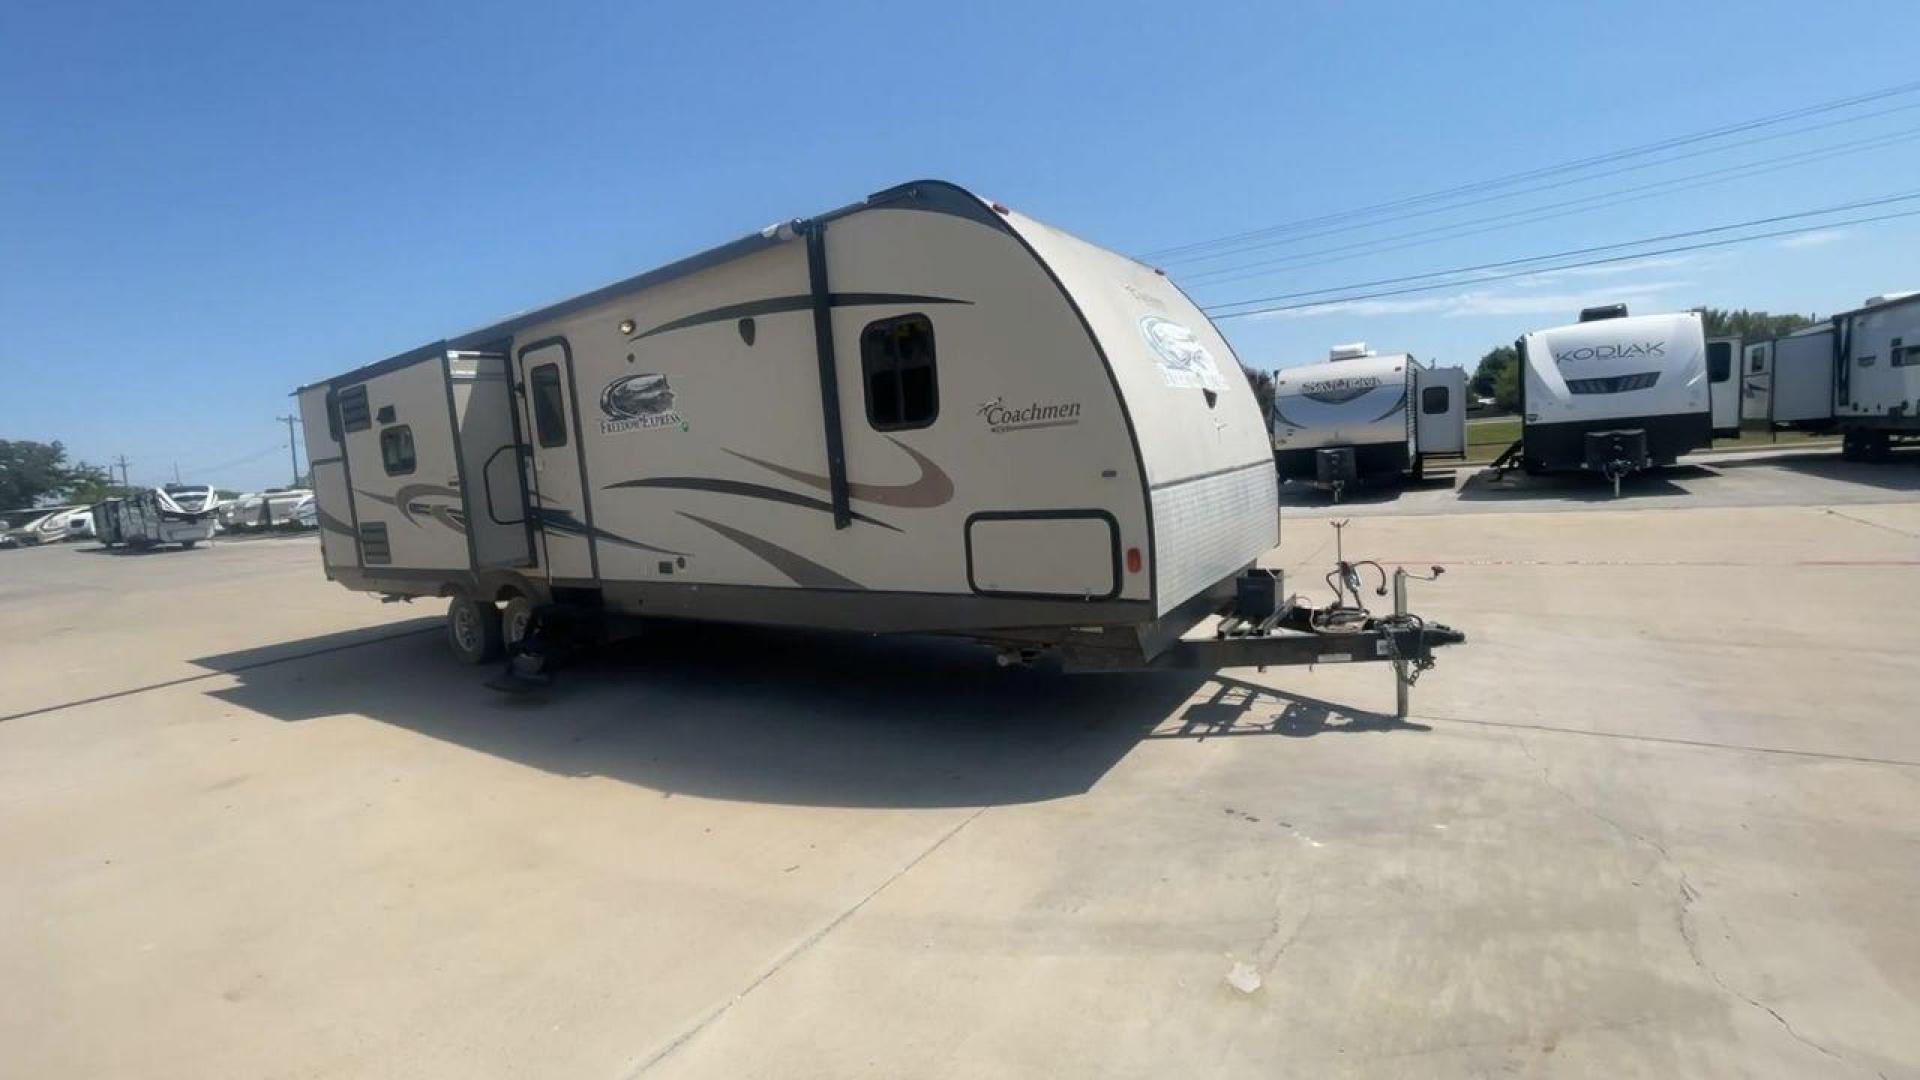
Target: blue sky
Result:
[[202, 206]]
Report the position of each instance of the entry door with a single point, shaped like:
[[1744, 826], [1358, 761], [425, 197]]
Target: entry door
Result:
[[556, 466], [1723, 384], [1440, 416]]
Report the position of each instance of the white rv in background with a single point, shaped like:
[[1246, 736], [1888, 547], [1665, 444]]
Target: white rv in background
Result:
[[922, 412], [1857, 374], [183, 514], [1361, 414], [1614, 393]]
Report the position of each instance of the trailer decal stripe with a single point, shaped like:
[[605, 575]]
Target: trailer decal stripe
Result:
[[739, 487], [1399, 403], [563, 522], [775, 305], [933, 487], [804, 571]]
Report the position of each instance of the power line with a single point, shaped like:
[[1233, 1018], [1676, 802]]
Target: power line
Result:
[[1861, 204], [1531, 215], [1335, 301], [1166, 254], [1553, 186]]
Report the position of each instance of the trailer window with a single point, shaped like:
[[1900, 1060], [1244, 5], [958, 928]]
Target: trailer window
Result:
[[1719, 361], [396, 450], [896, 355], [549, 411], [1903, 356], [1435, 400], [1759, 360], [354, 413]]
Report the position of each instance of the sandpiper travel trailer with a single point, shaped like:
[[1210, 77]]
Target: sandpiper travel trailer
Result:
[[177, 514], [1857, 374], [1613, 394], [1361, 415], [919, 413]]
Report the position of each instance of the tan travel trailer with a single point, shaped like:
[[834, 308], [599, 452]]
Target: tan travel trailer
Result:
[[919, 413]]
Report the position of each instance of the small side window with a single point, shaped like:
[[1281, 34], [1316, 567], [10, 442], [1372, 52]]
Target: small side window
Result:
[[896, 356], [1758, 361], [1719, 361], [1903, 356], [549, 410], [396, 450], [333, 417], [1435, 400]]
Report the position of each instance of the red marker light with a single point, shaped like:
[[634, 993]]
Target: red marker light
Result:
[[999, 208], [1133, 560]]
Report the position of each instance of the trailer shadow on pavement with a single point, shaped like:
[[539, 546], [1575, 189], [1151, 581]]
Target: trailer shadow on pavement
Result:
[[1900, 471], [1364, 493], [784, 717], [1517, 486]]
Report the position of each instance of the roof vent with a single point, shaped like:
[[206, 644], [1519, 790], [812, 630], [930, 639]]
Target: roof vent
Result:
[[1888, 298], [1349, 352], [1604, 311]]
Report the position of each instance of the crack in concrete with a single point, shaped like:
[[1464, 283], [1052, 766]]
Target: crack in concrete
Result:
[[1688, 896], [1874, 524], [796, 951]]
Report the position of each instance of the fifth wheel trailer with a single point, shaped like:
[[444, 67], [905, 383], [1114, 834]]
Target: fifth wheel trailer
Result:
[[176, 514], [1858, 375], [1614, 393], [922, 412], [1361, 414]]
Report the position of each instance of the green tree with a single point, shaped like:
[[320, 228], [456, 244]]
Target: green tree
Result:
[[1262, 384], [1498, 377], [1719, 322]]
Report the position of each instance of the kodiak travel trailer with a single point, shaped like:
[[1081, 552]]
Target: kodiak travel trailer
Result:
[[922, 412], [1361, 415], [181, 514], [1857, 374], [1613, 394]]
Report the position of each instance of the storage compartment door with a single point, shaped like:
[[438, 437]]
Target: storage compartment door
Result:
[[491, 472], [1051, 553]]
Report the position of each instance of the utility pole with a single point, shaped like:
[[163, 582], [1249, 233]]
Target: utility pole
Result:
[[121, 463], [293, 446], [176, 472]]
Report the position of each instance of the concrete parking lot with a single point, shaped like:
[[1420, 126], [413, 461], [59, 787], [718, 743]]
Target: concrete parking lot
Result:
[[1656, 818]]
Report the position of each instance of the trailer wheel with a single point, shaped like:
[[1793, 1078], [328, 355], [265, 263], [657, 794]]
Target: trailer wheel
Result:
[[1419, 471], [515, 619], [473, 630], [187, 545]]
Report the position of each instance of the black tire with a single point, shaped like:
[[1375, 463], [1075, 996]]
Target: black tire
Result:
[[1419, 471], [187, 545], [473, 631], [1850, 447], [514, 619]]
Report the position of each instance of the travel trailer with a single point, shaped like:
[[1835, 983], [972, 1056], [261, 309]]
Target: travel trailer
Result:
[[43, 525], [1858, 374], [1613, 394], [177, 514], [1362, 415], [921, 412], [266, 510]]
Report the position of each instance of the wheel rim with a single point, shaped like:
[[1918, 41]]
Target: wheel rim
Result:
[[466, 628], [516, 627]]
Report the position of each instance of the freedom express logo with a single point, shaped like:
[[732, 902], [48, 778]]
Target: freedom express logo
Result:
[[641, 402]]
